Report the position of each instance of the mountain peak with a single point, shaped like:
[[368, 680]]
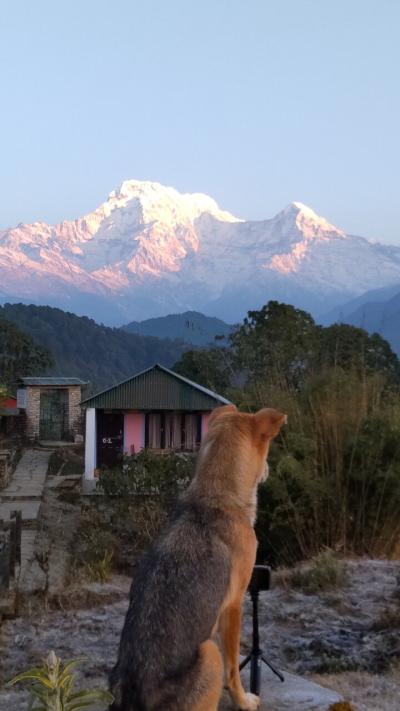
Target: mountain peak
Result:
[[149, 249], [165, 204], [308, 222]]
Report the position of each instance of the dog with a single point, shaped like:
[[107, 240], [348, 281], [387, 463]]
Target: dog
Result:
[[191, 583]]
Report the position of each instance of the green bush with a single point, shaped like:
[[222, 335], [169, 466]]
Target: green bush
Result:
[[335, 471], [148, 473]]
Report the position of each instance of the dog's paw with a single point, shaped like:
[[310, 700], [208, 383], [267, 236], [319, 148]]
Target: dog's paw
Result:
[[251, 702]]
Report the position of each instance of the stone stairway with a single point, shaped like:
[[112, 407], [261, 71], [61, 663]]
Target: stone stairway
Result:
[[24, 493]]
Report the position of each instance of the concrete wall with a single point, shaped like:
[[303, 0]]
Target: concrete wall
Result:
[[90, 443]]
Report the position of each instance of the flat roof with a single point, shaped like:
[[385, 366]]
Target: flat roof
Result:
[[52, 381]]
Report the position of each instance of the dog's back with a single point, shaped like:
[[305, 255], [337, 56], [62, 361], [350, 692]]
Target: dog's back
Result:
[[177, 591]]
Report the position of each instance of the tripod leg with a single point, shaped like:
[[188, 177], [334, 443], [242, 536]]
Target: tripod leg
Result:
[[278, 673], [255, 674], [244, 662]]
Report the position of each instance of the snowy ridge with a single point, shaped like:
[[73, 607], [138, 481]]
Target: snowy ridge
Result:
[[149, 250]]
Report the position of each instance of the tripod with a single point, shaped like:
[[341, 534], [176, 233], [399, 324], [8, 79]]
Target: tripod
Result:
[[260, 581]]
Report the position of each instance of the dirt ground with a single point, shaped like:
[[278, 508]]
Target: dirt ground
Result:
[[338, 638]]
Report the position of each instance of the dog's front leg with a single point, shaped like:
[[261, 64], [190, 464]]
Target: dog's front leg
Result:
[[230, 623]]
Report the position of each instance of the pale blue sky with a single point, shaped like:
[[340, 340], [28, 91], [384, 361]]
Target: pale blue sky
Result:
[[255, 102]]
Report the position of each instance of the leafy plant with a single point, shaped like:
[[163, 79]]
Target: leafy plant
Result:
[[147, 473], [52, 687]]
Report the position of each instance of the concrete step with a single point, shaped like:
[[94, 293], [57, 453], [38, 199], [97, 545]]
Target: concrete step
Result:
[[19, 497], [296, 693], [29, 510]]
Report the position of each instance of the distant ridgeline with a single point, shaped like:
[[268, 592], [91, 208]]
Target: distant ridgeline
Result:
[[376, 311], [82, 348], [190, 327]]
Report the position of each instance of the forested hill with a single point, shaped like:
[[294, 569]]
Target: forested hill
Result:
[[85, 349], [191, 326]]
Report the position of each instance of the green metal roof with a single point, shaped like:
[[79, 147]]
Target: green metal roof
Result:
[[156, 388]]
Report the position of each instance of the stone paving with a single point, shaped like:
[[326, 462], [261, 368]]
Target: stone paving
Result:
[[24, 493], [28, 479], [294, 694]]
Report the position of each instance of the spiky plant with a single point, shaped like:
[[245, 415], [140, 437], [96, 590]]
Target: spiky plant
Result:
[[52, 687]]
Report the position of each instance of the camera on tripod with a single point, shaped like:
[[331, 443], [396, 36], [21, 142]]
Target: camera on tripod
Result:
[[260, 581]]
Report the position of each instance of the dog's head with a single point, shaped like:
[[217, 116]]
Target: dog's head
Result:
[[250, 435]]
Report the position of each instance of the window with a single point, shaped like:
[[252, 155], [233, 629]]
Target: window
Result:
[[154, 431], [173, 430]]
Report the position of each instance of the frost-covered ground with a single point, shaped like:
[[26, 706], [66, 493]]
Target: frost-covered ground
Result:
[[367, 692], [353, 628]]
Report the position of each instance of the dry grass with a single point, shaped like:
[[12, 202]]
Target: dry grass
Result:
[[325, 572], [366, 692]]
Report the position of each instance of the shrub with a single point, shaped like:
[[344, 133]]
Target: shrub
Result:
[[342, 706], [52, 687], [325, 573], [93, 547], [100, 570], [335, 471], [112, 532], [148, 473]]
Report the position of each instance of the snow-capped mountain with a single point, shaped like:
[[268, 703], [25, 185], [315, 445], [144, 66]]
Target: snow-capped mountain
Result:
[[149, 250]]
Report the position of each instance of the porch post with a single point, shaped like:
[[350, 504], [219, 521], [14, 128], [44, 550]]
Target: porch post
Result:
[[90, 443]]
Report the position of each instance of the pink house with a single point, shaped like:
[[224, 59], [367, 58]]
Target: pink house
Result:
[[156, 408]]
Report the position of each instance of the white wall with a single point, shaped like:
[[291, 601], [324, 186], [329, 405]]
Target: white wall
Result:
[[90, 443]]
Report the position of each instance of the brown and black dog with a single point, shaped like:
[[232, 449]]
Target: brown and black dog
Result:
[[192, 581]]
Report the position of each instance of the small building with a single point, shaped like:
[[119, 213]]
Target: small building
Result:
[[8, 415], [156, 408], [52, 407]]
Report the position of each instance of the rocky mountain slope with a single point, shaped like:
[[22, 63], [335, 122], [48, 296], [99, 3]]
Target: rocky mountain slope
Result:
[[149, 250]]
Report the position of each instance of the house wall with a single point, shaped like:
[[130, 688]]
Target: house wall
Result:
[[134, 436], [74, 410], [33, 412], [134, 424]]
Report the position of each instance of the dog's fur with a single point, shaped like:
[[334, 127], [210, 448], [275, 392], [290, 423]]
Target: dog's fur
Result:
[[192, 581]]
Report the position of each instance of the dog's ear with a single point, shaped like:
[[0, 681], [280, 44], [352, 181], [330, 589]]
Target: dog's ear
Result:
[[268, 422], [220, 412]]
